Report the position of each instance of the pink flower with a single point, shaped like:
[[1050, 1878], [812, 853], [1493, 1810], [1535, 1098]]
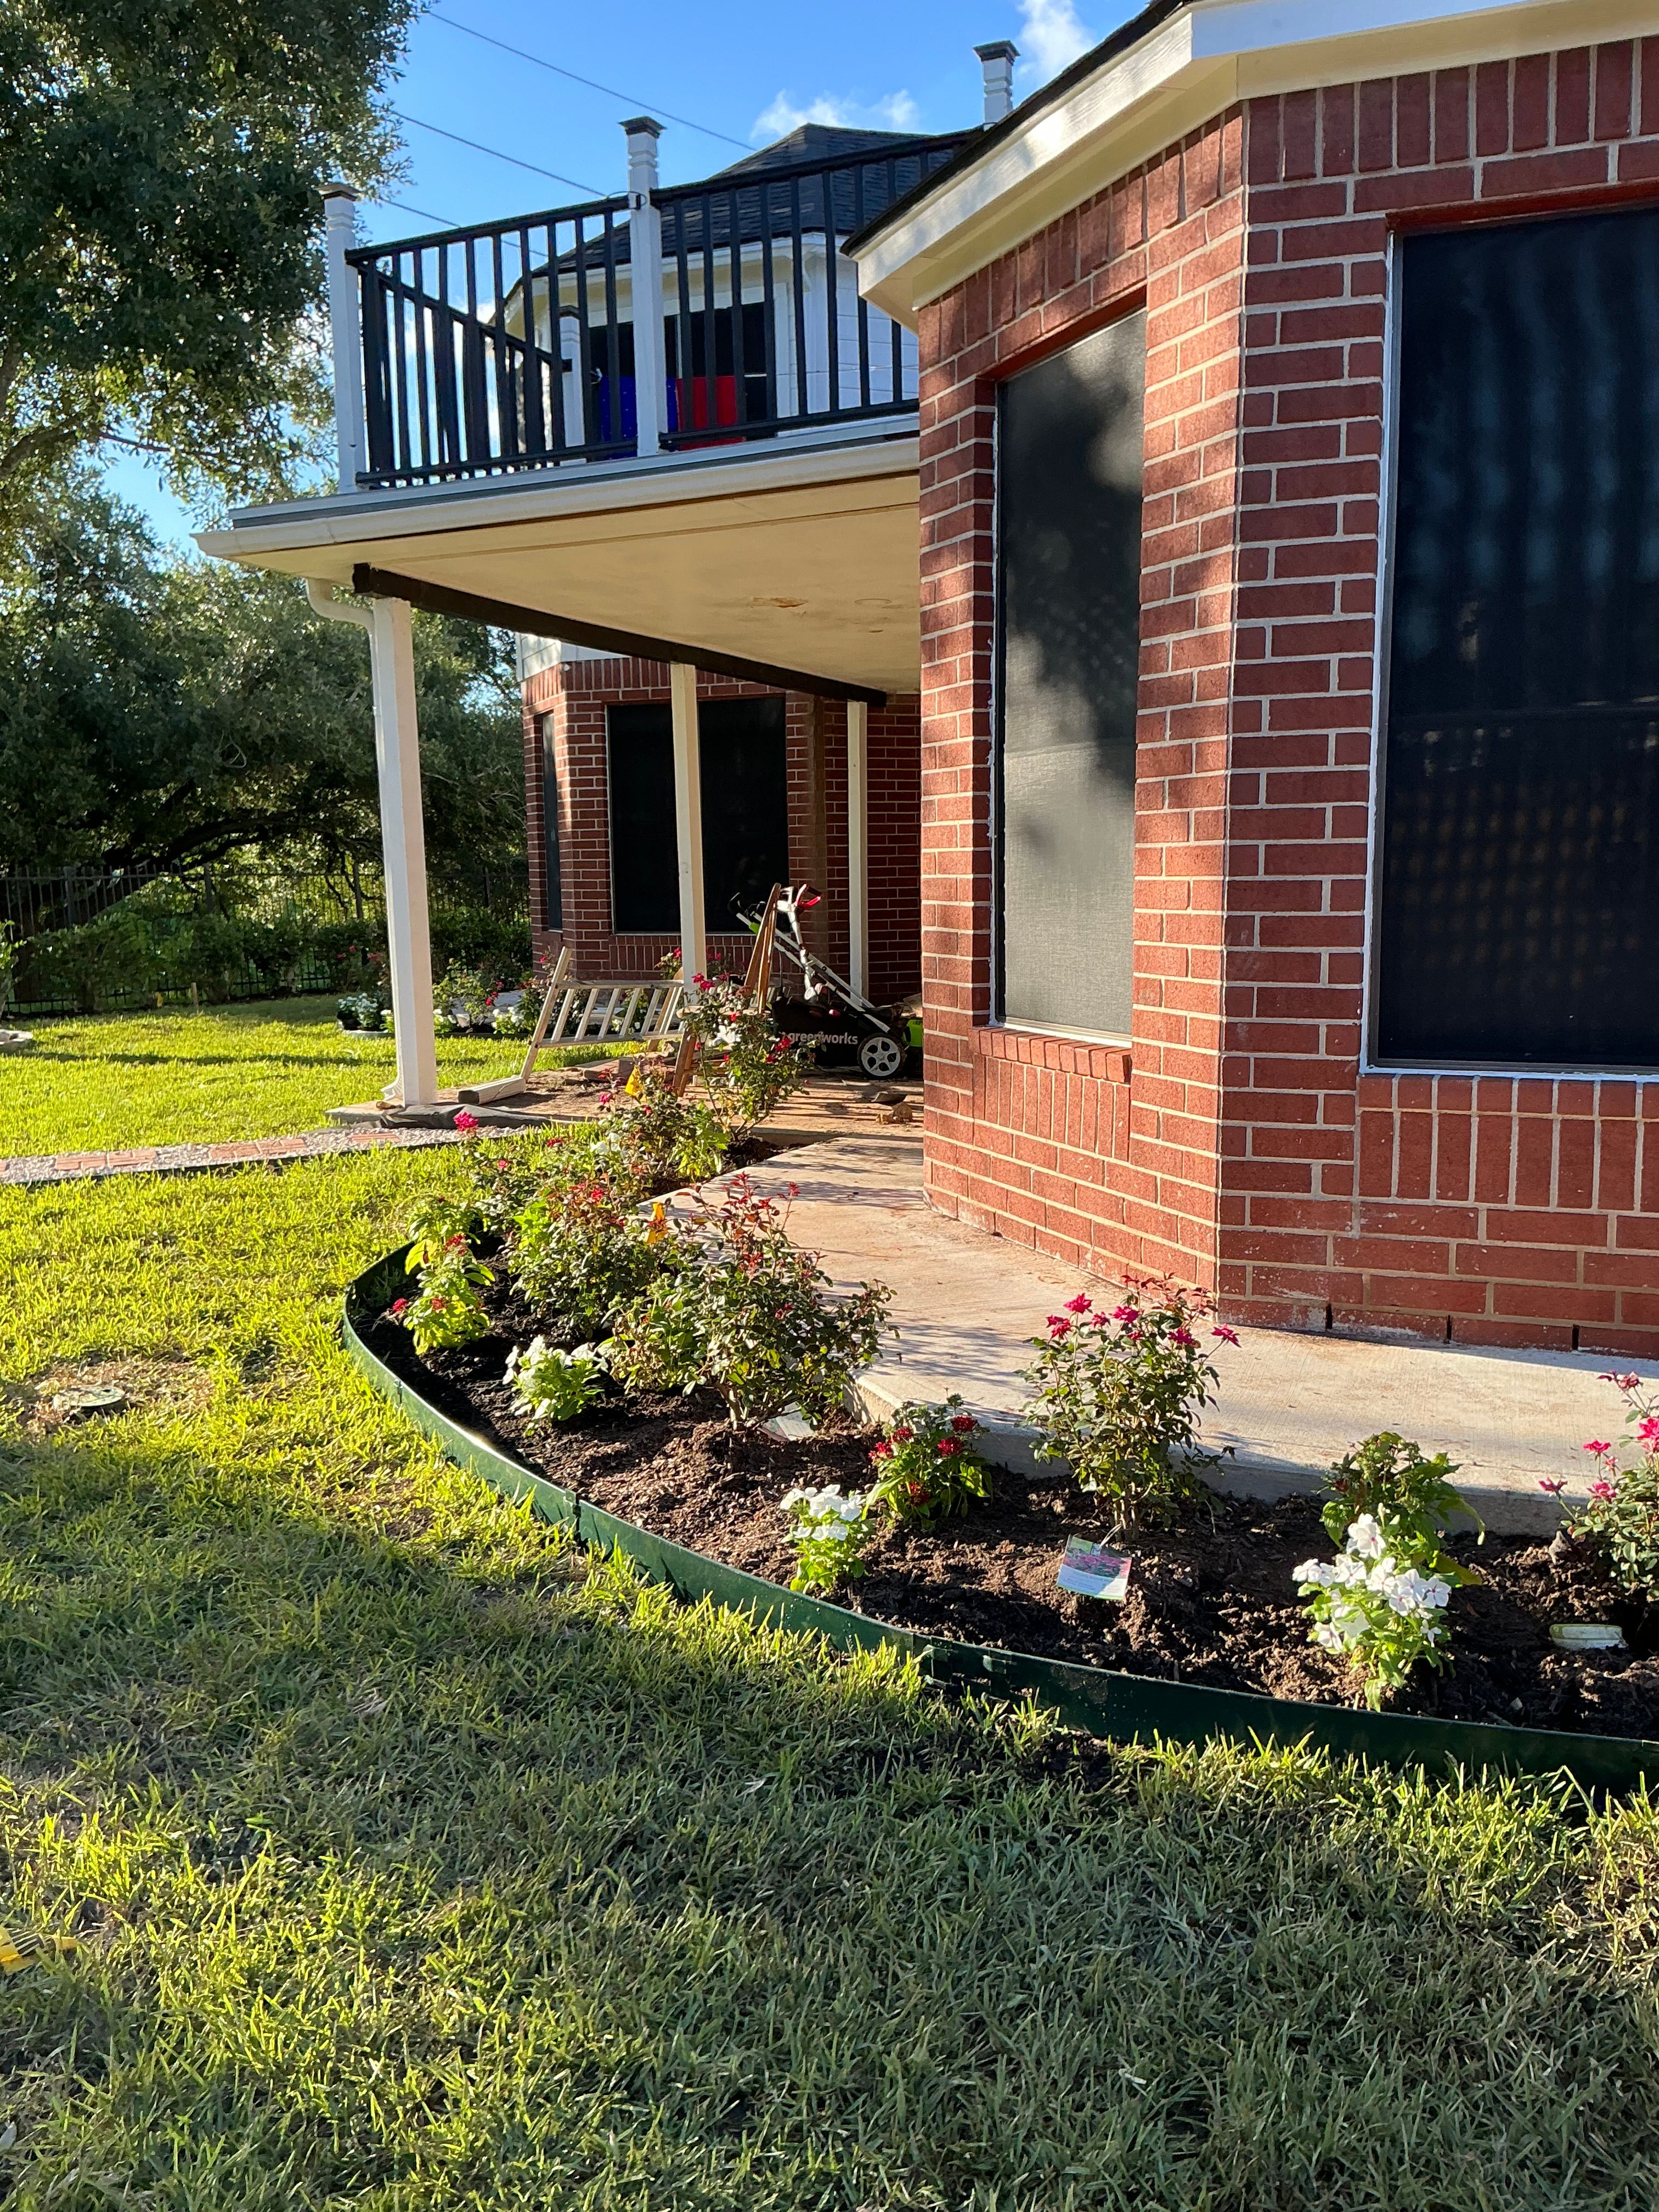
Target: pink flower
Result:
[[464, 1120], [1600, 1489], [1599, 1450], [1227, 1335], [1059, 1327], [1126, 1313], [948, 1447], [397, 1311], [1647, 1432], [1183, 1337], [1552, 1484], [1080, 1305]]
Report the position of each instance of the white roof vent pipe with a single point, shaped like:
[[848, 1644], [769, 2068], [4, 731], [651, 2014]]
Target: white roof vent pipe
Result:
[[996, 60]]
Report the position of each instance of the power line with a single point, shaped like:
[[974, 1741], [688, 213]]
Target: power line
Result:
[[437, 129], [627, 99], [443, 221]]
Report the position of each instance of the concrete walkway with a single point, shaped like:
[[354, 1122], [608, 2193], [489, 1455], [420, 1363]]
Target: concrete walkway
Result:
[[197, 1159], [967, 1305]]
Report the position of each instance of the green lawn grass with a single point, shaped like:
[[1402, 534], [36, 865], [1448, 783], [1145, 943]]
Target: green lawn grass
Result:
[[418, 1865], [104, 1081]]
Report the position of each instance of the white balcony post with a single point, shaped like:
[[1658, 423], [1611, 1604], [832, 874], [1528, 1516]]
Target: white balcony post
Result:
[[403, 838], [858, 847], [687, 819], [645, 276], [997, 61], [345, 330]]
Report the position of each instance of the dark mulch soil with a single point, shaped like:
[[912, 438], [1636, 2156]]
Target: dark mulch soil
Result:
[[1212, 1602]]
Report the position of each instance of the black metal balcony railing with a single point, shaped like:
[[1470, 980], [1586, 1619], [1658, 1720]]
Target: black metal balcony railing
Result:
[[511, 346]]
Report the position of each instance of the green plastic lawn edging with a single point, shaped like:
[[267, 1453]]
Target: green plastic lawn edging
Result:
[[1098, 1700]]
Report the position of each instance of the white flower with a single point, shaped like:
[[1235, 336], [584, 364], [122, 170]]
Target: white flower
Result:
[[1314, 1571], [1364, 1538]]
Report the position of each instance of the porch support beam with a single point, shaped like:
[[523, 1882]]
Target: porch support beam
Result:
[[687, 819], [537, 622], [858, 847], [403, 838], [403, 834]]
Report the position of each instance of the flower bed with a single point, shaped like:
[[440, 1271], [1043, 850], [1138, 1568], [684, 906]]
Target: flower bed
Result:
[[1210, 1639]]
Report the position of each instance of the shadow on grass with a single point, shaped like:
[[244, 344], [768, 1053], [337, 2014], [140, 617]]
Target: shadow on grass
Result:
[[419, 1865]]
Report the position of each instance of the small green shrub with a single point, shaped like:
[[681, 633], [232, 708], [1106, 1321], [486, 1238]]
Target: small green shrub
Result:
[[1120, 1396], [924, 1466], [1376, 1604], [550, 1385], [828, 1532], [1411, 1496], [649, 1135], [580, 1252], [752, 1317], [748, 1068], [1621, 1518]]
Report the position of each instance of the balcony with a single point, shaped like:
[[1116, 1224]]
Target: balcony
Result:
[[520, 346]]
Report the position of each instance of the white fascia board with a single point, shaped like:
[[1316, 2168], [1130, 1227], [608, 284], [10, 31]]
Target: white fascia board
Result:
[[1174, 81], [370, 517]]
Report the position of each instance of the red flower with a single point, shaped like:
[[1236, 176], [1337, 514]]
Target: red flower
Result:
[[1552, 1484], [1080, 1305], [437, 1305], [1600, 1489], [466, 1122], [1647, 1432], [948, 1447], [962, 1423], [882, 1451], [1059, 1327], [401, 1308], [1183, 1337], [1227, 1335], [1126, 1313], [903, 1436], [1599, 1450]]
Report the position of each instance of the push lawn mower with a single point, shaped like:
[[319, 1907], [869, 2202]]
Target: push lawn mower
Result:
[[842, 1028]]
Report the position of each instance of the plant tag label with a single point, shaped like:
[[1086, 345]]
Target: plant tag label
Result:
[[1092, 1571]]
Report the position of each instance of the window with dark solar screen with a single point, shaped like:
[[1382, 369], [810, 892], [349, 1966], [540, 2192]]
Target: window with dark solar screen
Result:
[[1068, 527], [746, 810], [551, 826], [1519, 893]]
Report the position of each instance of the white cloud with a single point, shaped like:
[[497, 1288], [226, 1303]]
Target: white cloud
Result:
[[896, 111], [1050, 35]]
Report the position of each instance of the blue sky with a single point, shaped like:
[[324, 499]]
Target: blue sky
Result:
[[748, 76]]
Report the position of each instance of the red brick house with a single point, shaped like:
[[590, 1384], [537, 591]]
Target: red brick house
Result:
[[1264, 505], [1326, 369], [599, 801]]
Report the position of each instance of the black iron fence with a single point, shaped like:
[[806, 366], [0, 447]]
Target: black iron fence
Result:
[[511, 345], [83, 941]]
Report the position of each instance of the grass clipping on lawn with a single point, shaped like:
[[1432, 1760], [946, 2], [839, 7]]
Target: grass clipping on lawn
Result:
[[416, 1862]]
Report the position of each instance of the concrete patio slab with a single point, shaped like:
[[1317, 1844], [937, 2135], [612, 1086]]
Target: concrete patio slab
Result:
[[967, 1305]]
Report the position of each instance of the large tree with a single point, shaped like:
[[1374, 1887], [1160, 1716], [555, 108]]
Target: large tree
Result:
[[160, 264], [159, 713]]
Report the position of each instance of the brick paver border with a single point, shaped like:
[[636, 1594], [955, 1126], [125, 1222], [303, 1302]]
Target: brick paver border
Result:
[[199, 1159]]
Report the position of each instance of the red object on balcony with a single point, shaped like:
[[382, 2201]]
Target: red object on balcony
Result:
[[690, 411]]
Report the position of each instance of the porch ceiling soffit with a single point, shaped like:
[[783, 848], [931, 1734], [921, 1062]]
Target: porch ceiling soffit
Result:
[[1097, 124], [822, 577]]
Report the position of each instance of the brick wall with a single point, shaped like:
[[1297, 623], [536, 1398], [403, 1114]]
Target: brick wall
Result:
[[1236, 1143], [565, 703], [1496, 1210], [1042, 1139]]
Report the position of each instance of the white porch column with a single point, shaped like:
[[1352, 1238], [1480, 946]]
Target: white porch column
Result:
[[687, 819], [403, 832], [345, 330], [645, 282], [403, 837], [857, 846]]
